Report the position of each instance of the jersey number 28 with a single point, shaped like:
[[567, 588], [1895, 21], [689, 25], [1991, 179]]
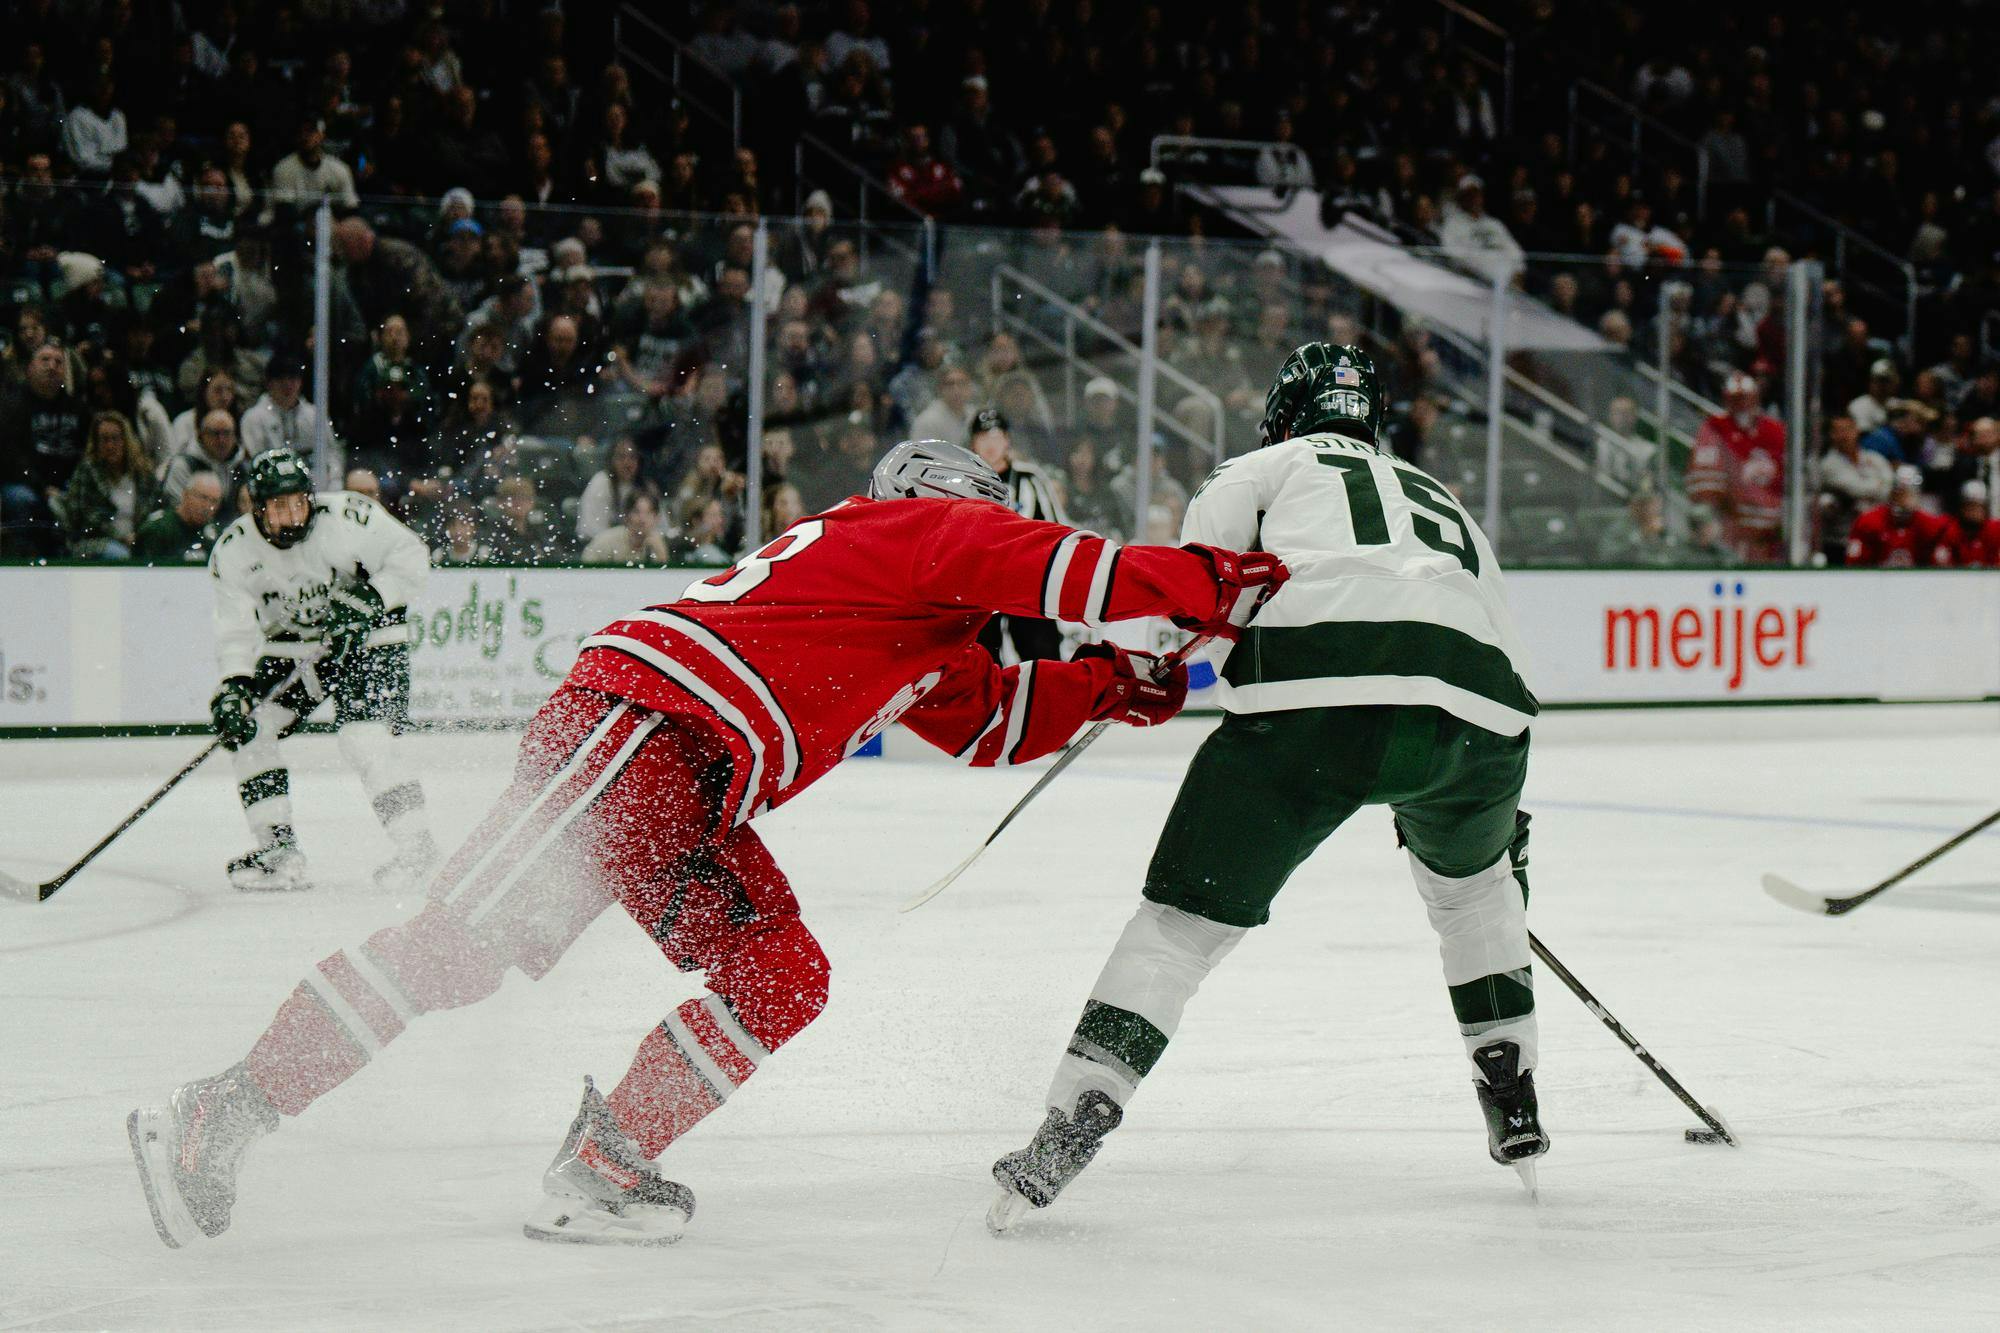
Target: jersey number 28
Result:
[[1429, 502], [753, 569]]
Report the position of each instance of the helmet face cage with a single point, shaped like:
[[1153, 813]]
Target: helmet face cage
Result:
[[1325, 386], [276, 473], [934, 469]]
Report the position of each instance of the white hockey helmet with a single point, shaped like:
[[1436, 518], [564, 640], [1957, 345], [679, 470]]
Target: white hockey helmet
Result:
[[934, 469]]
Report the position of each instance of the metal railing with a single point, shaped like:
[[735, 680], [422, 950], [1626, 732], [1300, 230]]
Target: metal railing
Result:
[[1487, 45], [1855, 259], [1006, 279], [649, 48], [644, 45], [1280, 166]]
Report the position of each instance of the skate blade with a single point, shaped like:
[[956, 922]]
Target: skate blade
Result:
[[1526, 1170], [262, 884], [569, 1221], [145, 1128], [1007, 1209]]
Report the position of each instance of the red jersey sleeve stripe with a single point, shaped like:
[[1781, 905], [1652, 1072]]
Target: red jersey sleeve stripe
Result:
[[1023, 705], [969, 752], [1058, 571], [1099, 600], [1074, 594]]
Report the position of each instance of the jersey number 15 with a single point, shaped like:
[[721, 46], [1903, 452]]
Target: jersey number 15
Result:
[[1429, 503]]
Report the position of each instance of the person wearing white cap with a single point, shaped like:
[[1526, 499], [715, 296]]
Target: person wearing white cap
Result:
[[1899, 534], [1738, 466], [1871, 409], [1474, 237], [1976, 535]]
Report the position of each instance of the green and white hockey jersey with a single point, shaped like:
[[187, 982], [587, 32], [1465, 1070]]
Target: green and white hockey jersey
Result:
[[273, 603], [1395, 597]]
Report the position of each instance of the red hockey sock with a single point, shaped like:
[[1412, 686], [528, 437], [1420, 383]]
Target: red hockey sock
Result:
[[359, 1000], [685, 1068]]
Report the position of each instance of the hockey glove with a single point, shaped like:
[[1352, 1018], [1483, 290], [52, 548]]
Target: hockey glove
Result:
[[1244, 581], [351, 615], [1135, 694], [231, 710]]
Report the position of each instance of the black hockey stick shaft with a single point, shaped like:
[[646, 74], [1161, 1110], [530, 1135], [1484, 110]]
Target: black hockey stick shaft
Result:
[[49, 889], [1619, 1031], [1836, 906], [1068, 757]]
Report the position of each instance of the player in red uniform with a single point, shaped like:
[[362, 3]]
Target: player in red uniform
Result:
[[636, 783], [1975, 532], [1738, 466], [1899, 535]]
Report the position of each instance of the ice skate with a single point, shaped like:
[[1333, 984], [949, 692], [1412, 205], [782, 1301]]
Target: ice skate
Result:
[[1514, 1134], [188, 1150], [601, 1191], [1061, 1148], [276, 867], [410, 869]]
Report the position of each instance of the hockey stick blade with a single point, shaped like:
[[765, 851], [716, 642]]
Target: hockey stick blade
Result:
[[945, 883], [1791, 895], [19, 889]]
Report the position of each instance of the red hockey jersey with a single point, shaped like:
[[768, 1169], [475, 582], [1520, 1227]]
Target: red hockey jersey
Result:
[[1975, 544], [1880, 538], [866, 614], [1741, 470]]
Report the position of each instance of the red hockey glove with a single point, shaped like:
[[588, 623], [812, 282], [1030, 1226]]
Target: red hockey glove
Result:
[[1244, 581], [1135, 695]]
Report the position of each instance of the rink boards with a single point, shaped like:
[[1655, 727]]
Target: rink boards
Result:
[[86, 647]]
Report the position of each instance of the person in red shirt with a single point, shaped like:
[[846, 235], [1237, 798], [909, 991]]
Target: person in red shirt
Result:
[[1976, 533], [1738, 465], [637, 781], [925, 183], [1899, 535]]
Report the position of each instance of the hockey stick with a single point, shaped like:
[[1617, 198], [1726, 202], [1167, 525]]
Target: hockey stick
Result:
[[1717, 1131], [1791, 895], [11, 887], [1082, 743]]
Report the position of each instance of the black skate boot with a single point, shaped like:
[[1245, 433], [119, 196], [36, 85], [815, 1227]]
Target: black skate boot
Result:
[[1514, 1134], [188, 1151], [1062, 1147], [276, 867], [601, 1191]]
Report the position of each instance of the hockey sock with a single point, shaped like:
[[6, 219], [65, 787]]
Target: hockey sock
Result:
[[1137, 1002], [264, 785], [359, 1000], [370, 750], [766, 988], [1482, 926]]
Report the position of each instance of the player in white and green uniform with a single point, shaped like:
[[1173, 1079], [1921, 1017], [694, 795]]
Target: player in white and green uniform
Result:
[[318, 585], [1386, 672]]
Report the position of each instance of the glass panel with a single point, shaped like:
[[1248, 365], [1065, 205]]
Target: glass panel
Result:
[[511, 378]]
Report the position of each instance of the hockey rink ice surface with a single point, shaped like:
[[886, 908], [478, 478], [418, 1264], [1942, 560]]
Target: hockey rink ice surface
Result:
[[1307, 1154]]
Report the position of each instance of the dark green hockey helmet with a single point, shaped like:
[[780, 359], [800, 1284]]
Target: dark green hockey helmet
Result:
[[1325, 387], [275, 473]]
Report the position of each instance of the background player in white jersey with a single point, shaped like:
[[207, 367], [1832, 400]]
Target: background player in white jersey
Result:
[[320, 585], [1386, 672]]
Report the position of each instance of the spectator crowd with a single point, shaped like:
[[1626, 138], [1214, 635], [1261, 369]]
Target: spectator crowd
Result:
[[544, 288]]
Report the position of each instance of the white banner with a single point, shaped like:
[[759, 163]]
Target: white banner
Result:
[[97, 647]]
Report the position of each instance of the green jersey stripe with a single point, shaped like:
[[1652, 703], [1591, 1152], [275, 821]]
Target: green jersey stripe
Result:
[[1331, 649]]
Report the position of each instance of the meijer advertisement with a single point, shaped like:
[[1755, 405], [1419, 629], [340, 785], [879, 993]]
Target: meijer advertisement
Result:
[[86, 647]]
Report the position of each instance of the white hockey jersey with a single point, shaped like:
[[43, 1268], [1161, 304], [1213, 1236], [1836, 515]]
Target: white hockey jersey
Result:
[[1395, 597], [268, 601]]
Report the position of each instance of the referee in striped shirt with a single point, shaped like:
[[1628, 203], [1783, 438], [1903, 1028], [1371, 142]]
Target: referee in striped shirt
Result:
[[1031, 496]]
